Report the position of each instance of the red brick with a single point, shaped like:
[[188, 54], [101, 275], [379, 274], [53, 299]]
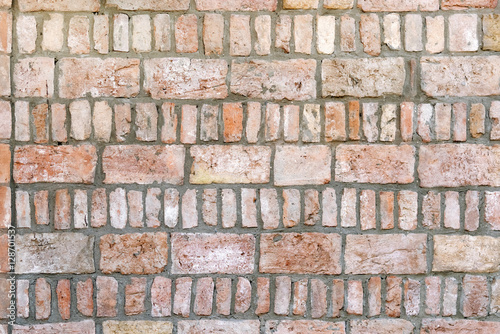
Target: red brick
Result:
[[183, 78], [98, 215], [374, 296], [204, 296], [143, 164], [5, 207], [186, 33], [161, 297], [386, 254], [230, 164], [273, 116], [475, 296], [212, 253], [64, 298], [287, 252], [43, 298], [149, 5], [318, 299], [236, 5], [218, 326], [282, 295], [189, 210], [464, 4], [107, 291], [335, 121], [135, 253], [59, 5], [135, 295], [386, 210], [85, 297], [62, 215], [274, 80], [393, 297], [375, 163], [83, 327], [449, 326], [406, 124], [263, 297], [243, 295], [300, 297], [381, 326], [110, 77], [458, 165], [398, 6], [337, 297], [269, 208], [223, 298], [354, 297], [40, 114], [233, 121]]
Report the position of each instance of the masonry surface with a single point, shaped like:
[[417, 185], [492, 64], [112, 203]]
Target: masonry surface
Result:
[[250, 166]]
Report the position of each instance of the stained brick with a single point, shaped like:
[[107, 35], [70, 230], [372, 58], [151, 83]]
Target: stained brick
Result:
[[294, 165]]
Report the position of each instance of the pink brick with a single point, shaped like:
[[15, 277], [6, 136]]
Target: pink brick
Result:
[[232, 113], [329, 202], [450, 297], [398, 6], [209, 123], [120, 33], [432, 295], [413, 33], [393, 296], [354, 120], [475, 296], [382, 325], [386, 210], [269, 208], [460, 123], [186, 34], [443, 121], [43, 299], [374, 296], [146, 121], [236, 5], [240, 41], [63, 291], [282, 295], [300, 297], [273, 116], [431, 210], [449, 326], [425, 112], [213, 34], [435, 34], [148, 5], [107, 291], [58, 115], [98, 215], [248, 207], [311, 123], [78, 35], [204, 296], [23, 209], [141, 33], [369, 30], [81, 119], [169, 128], [229, 212], [135, 208], [370, 120], [495, 120], [243, 295], [337, 297], [62, 215], [171, 207], [182, 297], [407, 210], [6, 120], [26, 33], [291, 207], [354, 297], [412, 297], [471, 222], [33, 77], [464, 4], [348, 211], [189, 124], [85, 297], [263, 297], [223, 297], [347, 33], [219, 326], [304, 326], [367, 214], [22, 298], [452, 210], [209, 208], [64, 5], [189, 210], [101, 33], [302, 165], [263, 31], [123, 118], [476, 120], [303, 33], [153, 207], [318, 299], [135, 295], [161, 297], [335, 121], [406, 124], [283, 33], [118, 208], [254, 115]]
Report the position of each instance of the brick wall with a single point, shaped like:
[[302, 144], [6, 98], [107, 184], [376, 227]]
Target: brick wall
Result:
[[250, 166]]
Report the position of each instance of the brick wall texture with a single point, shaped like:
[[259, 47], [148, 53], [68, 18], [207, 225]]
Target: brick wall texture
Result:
[[249, 166]]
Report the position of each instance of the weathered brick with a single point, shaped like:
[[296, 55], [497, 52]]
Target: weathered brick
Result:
[[274, 80], [263, 30], [109, 77], [381, 326], [388, 122], [118, 209], [212, 253], [431, 210], [5, 163], [186, 33], [335, 127], [171, 207], [63, 291], [78, 35], [464, 253], [386, 210], [475, 296], [33, 77], [23, 209], [81, 119], [120, 33], [62, 210], [161, 30], [329, 202], [311, 123], [393, 297], [460, 124], [22, 298], [58, 116], [370, 120], [282, 296], [5, 78], [347, 33], [6, 120], [374, 296], [135, 253], [369, 31], [443, 121], [269, 208], [83, 327], [223, 298], [236, 5], [386, 254], [398, 6], [243, 295], [218, 326], [477, 117], [354, 297], [26, 33], [452, 210], [425, 112], [204, 296], [123, 118], [449, 326], [85, 297], [136, 327], [412, 297], [291, 207], [58, 5], [148, 5], [300, 297], [107, 293], [318, 299], [240, 40], [435, 34], [209, 127], [189, 120], [232, 113], [432, 295], [348, 211], [273, 116], [230, 164], [248, 207], [213, 34], [283, 33], [141, 33], [462, 29], [286, 253], [367, 215], [263, 296], [450, 297], [135, 295], [101, 33], [291, 123], [363, 77], [161, 297], [413, 33], [464, 4], [304, 326], [183, 78], [189, 210], [392, 31], [303, 32], [98, 216]]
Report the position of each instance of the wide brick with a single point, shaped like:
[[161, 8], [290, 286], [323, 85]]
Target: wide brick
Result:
[[398, 5], [275, 80], [58, 5], [47, 259], [237, 5], [116, 77], [135, 253], [386, 254], [136, 327], [33, 77], [183, 78], [296, 165], [152, 5], [143, 164], [465, 253], [230, 164], [304, 326], [399, 326], [464, 4], [287, 253], [363, 77], [375, 164], [212, 253], [453, 165], [448, 326], [61, 164], [460, 76], [218, 326], [81, 327]]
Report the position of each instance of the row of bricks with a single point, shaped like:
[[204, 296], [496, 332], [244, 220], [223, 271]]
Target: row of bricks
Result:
[[463, 33], [392, 296], [239, 121], [274, 211]]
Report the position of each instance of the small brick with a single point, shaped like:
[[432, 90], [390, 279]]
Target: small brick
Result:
[[148, 5], [146, 121], [495, 120], [120, 33], [85, 297], [311, 207], [413, 32], [291, 207], [161, 30], [475, 296], [135, 295], [5, 162], [492, 209], [388, 123], [81, 119], [23, 209], [303, 33], [369, 31], [229, 212], [291, 123], [431, 210], [42, 296], [398, 6], [58, 117], [464, 253], [380, 325], [118, 208], [134, 253], [311, 123], [263, 297], [78, 35], [102, 121], [348, 211], [392, 31], [243, 295], [170, 120], [53, 37], [33, 77], [462, 29], [269, 208], [212, 253], [460, 121], [412, 297], [318, 299], [189, 210], [443, 121], [452, 210], [476, 120], [161, 297], [425, 113], [448, 326], [204, 296], [263, 31], [5, 302], [171, 207], [285, 253], [386, 210], [432, 295], [4, 251], [283, 33], [41, 129], [292, 79], [135, 208], [26, 33], [240, 40], [393, 297], [22, 298], [407, 210], [435, 34], [450, 297], [338, 4], [122, 121], [367, 213], [5, 207], [300, 297], [374, 296], [236, 5], [335, 127], [406, 120], [347, 33], [153, 207], [491, 31], [295, 165], [109, 77], [374, 254], [223, 295], [209, 123], [471, 221], [337, 297], [329, 202], [99, 210], [141, 33], [62, 215], [325, 30], [186, 33], [273, 117], [232, 114], [63, 291], [218, 326], [101, 34], [248, 207], [354, 297], [213, 34], [370, 120], [107, 292], [5, 77], [282, 296], [6, 34], [254, 115]]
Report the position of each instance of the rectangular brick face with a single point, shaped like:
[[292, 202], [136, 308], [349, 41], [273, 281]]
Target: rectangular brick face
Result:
[[116, 77], [183, 78], [397, 254], [294, 165], [237, 5], [34, 77], [212, 253], [4, 163], [286, 253], [375, 163], [398, 5], [81, 327], [153, 5], [449, 165], [275, 80], [230, 164], [444, 326], [143, 164], [77, 249], [57, 164], [58, 5], [363, 77], [460, 76]]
